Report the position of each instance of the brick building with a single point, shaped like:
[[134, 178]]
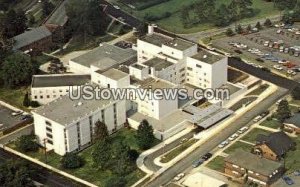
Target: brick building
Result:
[[247, 167], [273, 146]]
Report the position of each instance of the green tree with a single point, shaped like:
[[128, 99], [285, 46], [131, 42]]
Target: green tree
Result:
[[222, 16], [268, 23], [204, 10], [144, 136], [26, 101], [296, 93], [87, 17], [240, 9], [185, 16], [285, 4], [13, 23], [17, 70], [239, 29], [258, 26], [15, 173], [71, 161], [122, 161], [283, 111], [229, 32], [101, 132], [27, 143], [102, 154]]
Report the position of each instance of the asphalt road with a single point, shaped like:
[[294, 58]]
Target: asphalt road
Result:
[[210, 144], [42, 175]]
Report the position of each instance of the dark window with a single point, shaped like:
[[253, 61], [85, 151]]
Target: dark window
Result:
[[198, 66], [50, 142]]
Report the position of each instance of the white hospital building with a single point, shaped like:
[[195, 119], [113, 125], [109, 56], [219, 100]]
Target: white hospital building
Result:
[[159, 62]]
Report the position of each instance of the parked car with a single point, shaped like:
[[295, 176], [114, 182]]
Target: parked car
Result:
[[264, 114], [288, 180], [233, 137], [279, 101], [16, 113], [223, 144], [197, 163], [206, 156], [179, 176], [25, 117], [297, 173], [243, 129], [257, 119]]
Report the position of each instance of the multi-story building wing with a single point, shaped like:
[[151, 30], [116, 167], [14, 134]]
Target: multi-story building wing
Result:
[[47, 88], [66, 125]]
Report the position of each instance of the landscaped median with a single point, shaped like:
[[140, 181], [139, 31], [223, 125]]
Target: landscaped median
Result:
[[89, 172], [175, 152]]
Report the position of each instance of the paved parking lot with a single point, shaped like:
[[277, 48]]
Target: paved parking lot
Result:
[[281, 183], [6, 119], [270, 55]]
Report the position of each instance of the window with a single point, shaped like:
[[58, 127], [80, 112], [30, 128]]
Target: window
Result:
[[50, 142], [35, 97], [48, 96], [41, 97], [181, 70], [48, 129], [49, 136], [190, 69], [198, 66], [48, 123]]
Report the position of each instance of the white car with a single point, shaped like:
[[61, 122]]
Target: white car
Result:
[[233, 137], [277, 103], [179, 176], [16, 113], [243, 129], [291, 72], [116, 7], [257, 119], [278, 67], [223, 144]]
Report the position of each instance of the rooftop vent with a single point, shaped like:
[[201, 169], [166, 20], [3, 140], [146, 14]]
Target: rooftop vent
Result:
[[175, 44], [79, 103], [204, 56]]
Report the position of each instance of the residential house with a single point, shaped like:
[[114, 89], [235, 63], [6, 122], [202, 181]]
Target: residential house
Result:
[[293, 123], [274, 146], [244, 166]]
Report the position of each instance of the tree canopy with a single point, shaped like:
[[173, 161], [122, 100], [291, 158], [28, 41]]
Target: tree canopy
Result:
[[17, 70], [71, 161], [27, 143], [283, 111], [15, 173], [87, 17], [145, 137], [101, 131]]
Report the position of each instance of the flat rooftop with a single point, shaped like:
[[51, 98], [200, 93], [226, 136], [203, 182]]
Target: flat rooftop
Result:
[[258, 165], [180, 44], [156, 84], [159, 40], [66, 111], [59, 16], [156, 39], [39, 81], [105, 56], [165, 123], [207, 57], [115, 74], [158, 64]]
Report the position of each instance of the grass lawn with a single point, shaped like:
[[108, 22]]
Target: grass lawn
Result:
[[251, 136], [235, 76], [175, 152], [292, 161], [14, 97], [174, 24], [238, 145], [273, 123], [217, 164], [294, 109], [259, 90], [89, 172]]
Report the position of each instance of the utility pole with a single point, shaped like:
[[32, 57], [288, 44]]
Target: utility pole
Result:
[[45, 141]]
